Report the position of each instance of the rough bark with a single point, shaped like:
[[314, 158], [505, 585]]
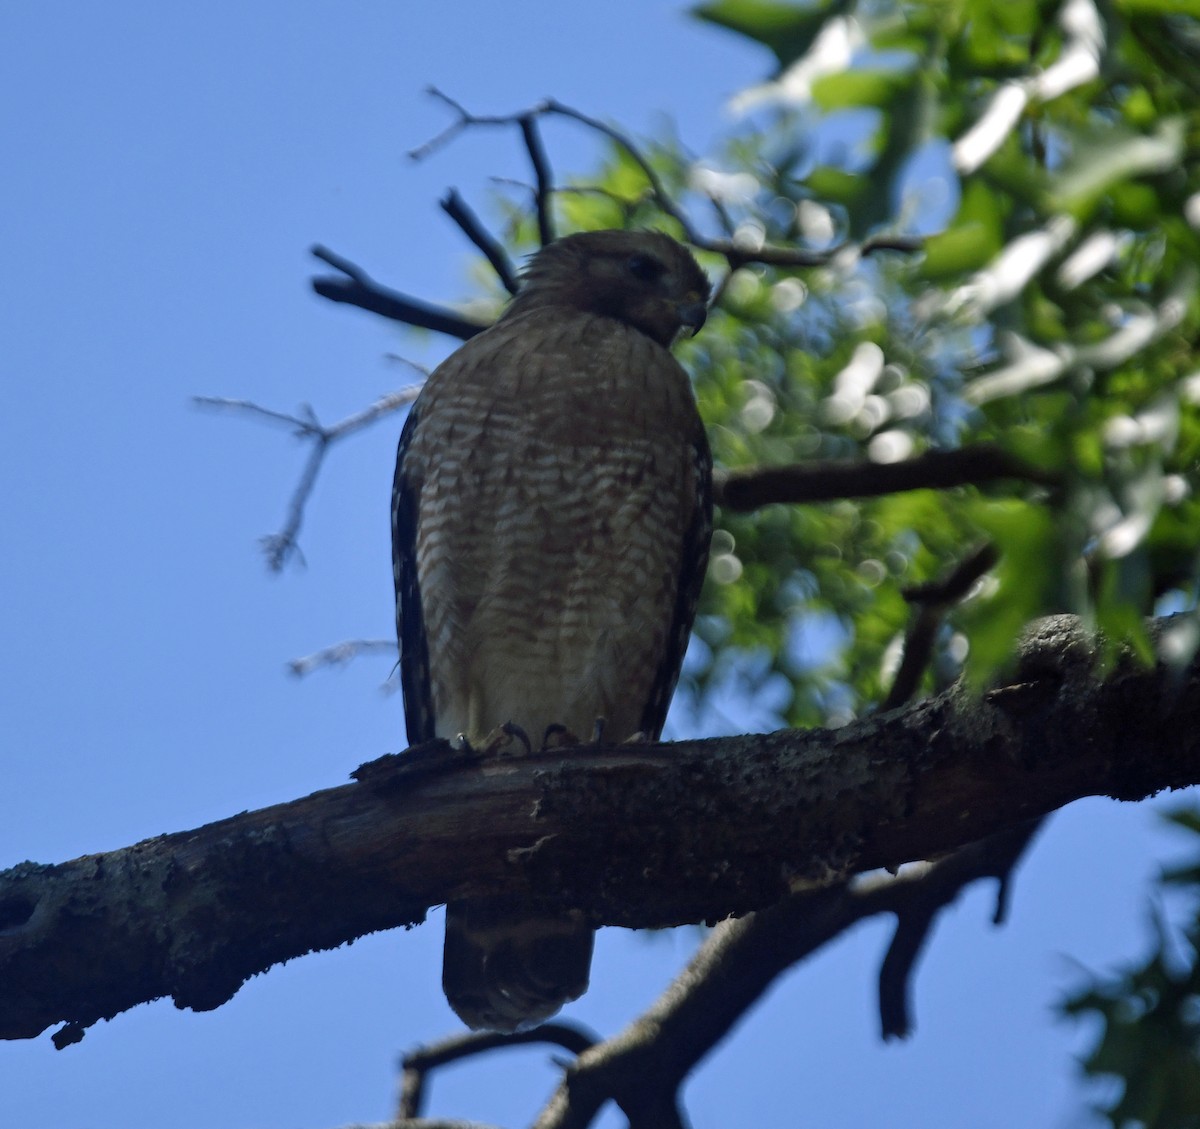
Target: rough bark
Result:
[[647, 835]]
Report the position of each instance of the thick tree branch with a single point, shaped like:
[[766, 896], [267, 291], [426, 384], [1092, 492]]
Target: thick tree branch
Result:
[[357, 288], [637, 836], [828, 479]]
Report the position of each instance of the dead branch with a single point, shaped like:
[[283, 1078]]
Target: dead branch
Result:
[[341, 653], [734, 253], [282, 545], [417, 1064], [830, 479], [357, 288], [996, 856], [472, 227], [542, 175], [637, 836], [931, 601], [643, 1066]]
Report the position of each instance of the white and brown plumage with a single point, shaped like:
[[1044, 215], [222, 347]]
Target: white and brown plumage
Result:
[[550, 525]]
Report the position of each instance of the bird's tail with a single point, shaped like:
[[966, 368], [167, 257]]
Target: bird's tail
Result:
[[509, 968]]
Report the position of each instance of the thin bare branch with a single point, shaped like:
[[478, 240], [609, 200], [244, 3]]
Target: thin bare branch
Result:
[[303, 425], [735, 254], [339, 654], [357, 288], [456, 208], [416, 1065], [931, 602], [542, 175], [281, 546], [996, 856]]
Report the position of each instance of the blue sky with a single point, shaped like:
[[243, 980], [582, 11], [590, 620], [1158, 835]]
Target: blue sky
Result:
[[166, 169]]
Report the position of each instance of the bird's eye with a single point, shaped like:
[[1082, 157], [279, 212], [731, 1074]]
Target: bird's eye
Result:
[[645, 267]]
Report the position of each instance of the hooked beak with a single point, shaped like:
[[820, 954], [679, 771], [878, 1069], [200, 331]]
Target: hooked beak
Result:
[[693, 315]]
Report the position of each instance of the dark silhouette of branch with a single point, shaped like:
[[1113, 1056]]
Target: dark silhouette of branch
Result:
[[543, 177], [416, 1065], [634, 835], [357, 288], [931, 604], [830, 479], [282, 545], [643, 1066], [917, 911], [996, 855], [456, 208], [735, 254]]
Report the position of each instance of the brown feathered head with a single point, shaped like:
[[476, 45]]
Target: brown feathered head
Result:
[[642, 278]]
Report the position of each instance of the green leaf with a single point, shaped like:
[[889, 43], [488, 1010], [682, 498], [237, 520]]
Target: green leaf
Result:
[[788, 30], [858, 88], [973, 239], [1116, 155], [1159, 7], [836, 185], [1030, 556]]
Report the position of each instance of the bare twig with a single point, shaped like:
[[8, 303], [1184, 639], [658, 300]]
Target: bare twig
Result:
[[357, 288], [543, 176], [827, 480], [416, 1065], [339, 654], [931, 602], [456, 208], [734, 254], [282, 545]]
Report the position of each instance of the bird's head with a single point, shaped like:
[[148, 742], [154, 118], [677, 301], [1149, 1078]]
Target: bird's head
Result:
[[642, 278]]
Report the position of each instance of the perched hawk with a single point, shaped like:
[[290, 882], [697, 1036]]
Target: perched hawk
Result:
[[550, 525]]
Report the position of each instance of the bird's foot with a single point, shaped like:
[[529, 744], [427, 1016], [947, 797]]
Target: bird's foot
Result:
[[507, 740], [641, 737]]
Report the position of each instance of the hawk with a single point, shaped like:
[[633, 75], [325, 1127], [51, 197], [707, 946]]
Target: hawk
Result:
[[551, 517]]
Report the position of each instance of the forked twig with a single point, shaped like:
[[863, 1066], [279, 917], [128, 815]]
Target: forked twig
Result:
[[282, 545]]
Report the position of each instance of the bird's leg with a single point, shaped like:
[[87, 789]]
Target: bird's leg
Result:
[[598, 730], [558, 737]]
